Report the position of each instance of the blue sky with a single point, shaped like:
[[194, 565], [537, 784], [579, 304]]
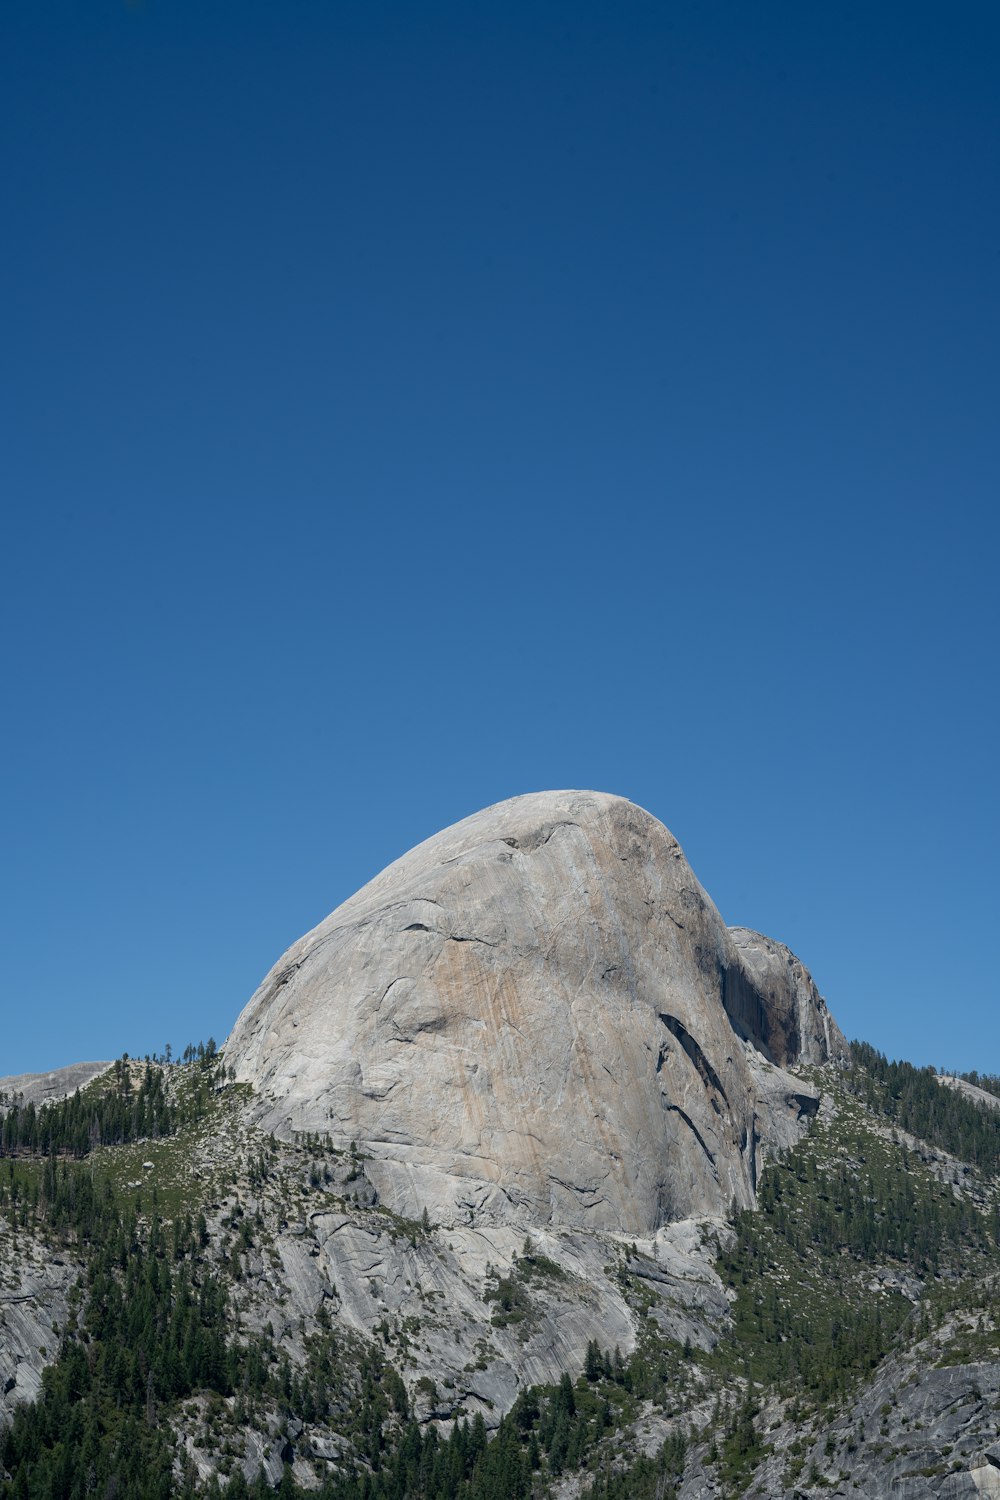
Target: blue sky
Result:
[[409, 406]]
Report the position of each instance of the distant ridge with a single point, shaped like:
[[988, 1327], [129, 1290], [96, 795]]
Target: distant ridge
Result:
[[44, 1088]]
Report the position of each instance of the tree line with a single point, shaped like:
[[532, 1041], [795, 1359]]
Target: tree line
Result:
[[112, 1111], [914, 1100]]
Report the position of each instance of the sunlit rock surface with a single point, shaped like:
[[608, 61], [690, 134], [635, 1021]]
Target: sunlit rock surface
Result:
[[539, 1016]]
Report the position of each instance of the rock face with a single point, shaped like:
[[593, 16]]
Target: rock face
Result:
[[907, 1427], [787, 1015], [538, 1016], [34, 1288]]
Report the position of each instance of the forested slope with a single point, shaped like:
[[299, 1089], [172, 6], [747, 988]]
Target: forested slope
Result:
[[873, 1258]]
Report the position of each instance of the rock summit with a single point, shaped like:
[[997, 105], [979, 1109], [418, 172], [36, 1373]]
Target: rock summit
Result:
[[538, 1016]]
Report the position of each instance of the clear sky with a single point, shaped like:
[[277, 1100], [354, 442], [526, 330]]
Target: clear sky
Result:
[[406, 406]]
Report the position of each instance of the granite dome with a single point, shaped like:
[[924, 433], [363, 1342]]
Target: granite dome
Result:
[[538, 1015]]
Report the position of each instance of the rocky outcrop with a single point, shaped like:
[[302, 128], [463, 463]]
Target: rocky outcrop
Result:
[[538, 1016], [34, 1288], [916, 1431]]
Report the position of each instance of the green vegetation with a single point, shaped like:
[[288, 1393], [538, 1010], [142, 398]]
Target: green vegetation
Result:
[[843, 1201], [989, 1082], [914, 1100], [653, 1478], [153, 1329], [132, 1102], [855, 1247], [107, 1113], [548, 1431], [847, 1207]]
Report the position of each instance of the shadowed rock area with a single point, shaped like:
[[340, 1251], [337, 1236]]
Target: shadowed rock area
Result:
[[776, 1003], [539, 1016]]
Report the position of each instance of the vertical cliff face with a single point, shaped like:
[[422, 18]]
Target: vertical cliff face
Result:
[[34, 1306], [539, 1015], [776, 993]]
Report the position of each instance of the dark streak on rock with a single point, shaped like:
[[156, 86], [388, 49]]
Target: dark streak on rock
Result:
[[707, 1073], [676, 1109]]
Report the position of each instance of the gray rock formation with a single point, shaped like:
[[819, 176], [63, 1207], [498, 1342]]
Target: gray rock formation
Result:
[[538, 1016], [788, 1018], [34, 1288], [914, 1432], [45, 1088], [432, 1297]]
